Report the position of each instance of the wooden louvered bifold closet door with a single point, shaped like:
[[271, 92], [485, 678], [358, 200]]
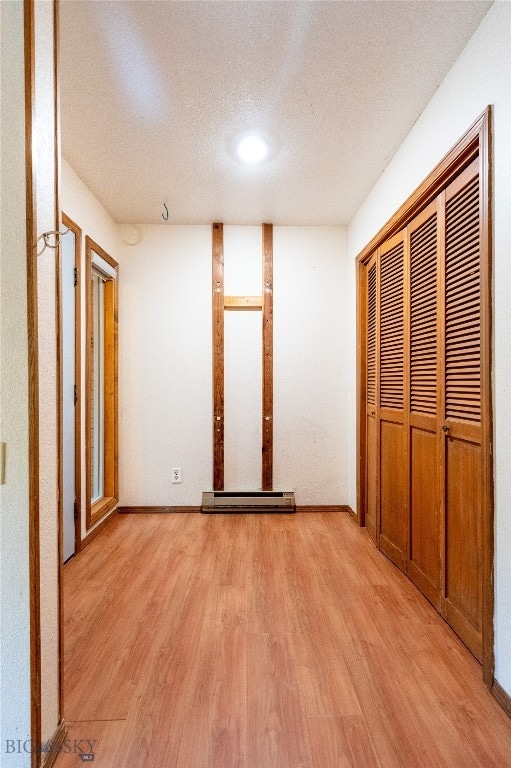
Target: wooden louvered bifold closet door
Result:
[[462, 433], [424, 566], [371, 390], [392, 533], [423, 383]]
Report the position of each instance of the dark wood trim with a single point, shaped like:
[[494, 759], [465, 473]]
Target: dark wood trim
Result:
[[58, 297], [486, 206], [101, 252], [33, 381], [67, 222], [243, 302], [218, 355], [325, 508], [57, 741], [476, 142], [503, 698], [267, 398], [155, 510], [98, 528], [456, 159], [95, 512], [361, 331]]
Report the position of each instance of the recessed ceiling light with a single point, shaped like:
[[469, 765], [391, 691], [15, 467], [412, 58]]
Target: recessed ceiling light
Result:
[[252, 149]]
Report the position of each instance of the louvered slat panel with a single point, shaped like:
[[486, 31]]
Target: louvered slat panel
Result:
[[423, 317], [371, 336], [392, 328], [462, 305]]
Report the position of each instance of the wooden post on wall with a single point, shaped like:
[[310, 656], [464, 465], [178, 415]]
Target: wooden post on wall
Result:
[[267, 448], [218, 357], [221, 303]]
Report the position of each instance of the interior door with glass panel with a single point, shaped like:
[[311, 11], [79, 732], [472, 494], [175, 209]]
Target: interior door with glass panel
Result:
[[101, 384], [70, 366]]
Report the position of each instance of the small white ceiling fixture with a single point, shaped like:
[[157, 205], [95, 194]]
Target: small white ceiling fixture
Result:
[[252, 149]]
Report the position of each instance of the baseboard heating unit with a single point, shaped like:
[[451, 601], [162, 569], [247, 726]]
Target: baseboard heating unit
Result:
[[248, 501]]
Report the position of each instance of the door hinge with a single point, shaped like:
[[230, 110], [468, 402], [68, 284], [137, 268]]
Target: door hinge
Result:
[[75, 394], [76, 510], [76, 276]]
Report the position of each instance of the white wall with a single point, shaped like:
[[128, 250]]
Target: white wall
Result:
[[14, 495], [481, 76], [243, 276], [310, 373], [84, 209], [165, 390], [14, 409], [165, 381], [44, 163]]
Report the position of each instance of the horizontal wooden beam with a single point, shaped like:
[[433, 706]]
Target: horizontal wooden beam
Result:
[[243, 302]]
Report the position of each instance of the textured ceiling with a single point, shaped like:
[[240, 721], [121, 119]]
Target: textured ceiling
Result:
[[154, 93]]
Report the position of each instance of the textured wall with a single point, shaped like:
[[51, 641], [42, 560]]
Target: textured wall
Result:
[[165, 364], [165, 390], [84, 209], [44, 157], [14, 495], [243, 360], [310, 374], [478, 78]]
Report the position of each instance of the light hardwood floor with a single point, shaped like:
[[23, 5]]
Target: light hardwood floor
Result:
[[264, 641]]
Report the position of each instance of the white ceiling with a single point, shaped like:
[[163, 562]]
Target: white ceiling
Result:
[[153, 94]]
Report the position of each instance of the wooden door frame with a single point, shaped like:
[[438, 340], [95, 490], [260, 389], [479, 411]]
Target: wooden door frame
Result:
[[71, 225], [97, 512], [33, 382], [477, 141]]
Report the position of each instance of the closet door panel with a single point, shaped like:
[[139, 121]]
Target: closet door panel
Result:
[[371, 398], [424, 566], [463, 583], [393, 464], [372, 468], [461, 426], [393, 491]]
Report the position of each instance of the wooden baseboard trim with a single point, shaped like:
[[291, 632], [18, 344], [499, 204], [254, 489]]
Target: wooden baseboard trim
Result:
[[54, 746], [503, 698], [351, 512], [324, 508], [155, 510], [92, 534]]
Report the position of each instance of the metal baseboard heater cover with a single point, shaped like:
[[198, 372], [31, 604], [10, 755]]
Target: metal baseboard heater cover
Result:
[[248, 501]]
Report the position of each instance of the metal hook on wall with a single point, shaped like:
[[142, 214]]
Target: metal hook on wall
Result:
[[165, 217], [54, 233]]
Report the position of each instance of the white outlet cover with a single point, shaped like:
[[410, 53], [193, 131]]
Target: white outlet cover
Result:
[[176, 474]]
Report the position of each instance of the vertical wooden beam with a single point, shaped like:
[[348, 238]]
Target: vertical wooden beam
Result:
[[33, 383], [486, 206], [218, 357], [267, 452]]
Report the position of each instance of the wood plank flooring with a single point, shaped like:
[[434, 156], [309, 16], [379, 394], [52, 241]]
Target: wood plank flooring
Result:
[[263, 641]]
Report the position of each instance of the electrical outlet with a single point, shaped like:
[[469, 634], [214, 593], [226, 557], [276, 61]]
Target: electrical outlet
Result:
[[176, 474]]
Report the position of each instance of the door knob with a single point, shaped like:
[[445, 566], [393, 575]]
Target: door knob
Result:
[[445, 429]]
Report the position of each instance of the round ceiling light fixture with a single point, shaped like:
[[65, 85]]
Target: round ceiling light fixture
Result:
[[252, 149]]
